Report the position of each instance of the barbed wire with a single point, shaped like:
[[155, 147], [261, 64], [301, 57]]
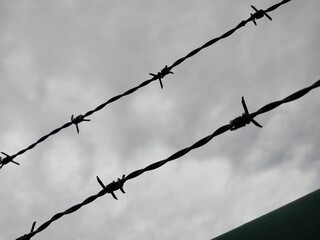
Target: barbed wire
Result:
[[159, 76], [233, 125]]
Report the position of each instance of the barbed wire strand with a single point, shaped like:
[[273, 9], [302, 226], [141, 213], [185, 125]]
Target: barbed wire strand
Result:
[[234, 124], [159, 76]]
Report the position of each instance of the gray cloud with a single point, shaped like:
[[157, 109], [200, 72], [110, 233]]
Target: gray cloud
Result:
[[66, 57]]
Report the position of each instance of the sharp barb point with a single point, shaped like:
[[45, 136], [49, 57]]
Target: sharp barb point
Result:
[[114, 196], [244, 105], [33, 226], [161, 85], [268, 16], [5, 154], [254, 8], [256, 123], [101, 183], [15, 162]]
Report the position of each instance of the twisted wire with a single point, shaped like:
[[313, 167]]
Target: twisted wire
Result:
[[227, 34], [165, 71], [118, 185], [290, 98]]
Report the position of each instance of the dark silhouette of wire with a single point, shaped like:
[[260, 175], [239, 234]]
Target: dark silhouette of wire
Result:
[[159, 76], [234, 124]]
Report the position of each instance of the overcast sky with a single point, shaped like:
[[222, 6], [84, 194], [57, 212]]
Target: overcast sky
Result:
[[59, 58]]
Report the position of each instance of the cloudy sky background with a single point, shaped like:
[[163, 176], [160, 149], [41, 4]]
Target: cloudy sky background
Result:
[[60, 58]]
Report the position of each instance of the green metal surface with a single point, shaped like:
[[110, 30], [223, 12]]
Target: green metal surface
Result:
[[298, 220]]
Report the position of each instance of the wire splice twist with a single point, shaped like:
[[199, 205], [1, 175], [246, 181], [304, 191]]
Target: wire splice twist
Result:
[[259, 14], [6, 160], [244, 119], [114, 186], [165, 71], [28, 236], [78, 120]]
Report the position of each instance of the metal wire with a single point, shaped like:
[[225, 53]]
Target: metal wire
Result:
[[241, 121], [159, 76]]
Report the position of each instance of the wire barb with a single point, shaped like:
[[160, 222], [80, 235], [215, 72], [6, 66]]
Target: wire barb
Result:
[[244, 119], [165, 71], [114, 186], [259, 14], [6, 160], [120, 182], [28, 236], [78, 120]]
